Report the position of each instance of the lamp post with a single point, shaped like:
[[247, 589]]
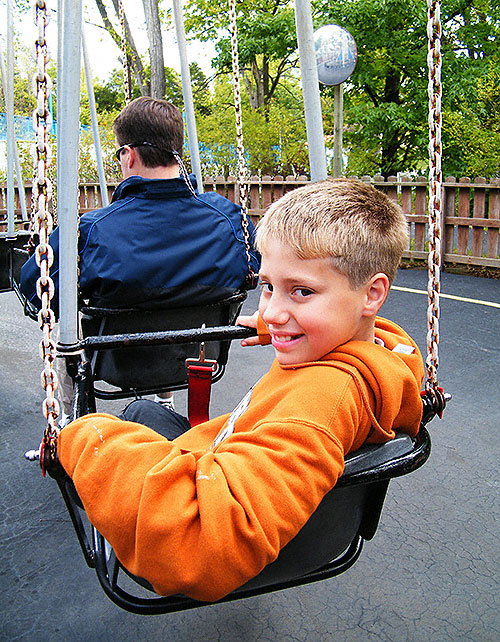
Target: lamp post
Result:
[[336, 58]]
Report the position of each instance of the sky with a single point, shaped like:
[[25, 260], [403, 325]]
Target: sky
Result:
[[103, 52]]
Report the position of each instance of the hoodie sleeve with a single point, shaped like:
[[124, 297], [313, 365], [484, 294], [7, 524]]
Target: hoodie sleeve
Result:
[[201, 523]]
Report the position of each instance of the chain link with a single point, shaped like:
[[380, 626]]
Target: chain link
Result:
[[126, 69], [43, 224], [242, 171], [435, 189]]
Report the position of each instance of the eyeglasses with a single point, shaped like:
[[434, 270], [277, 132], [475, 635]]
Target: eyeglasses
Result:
[[120, 149]]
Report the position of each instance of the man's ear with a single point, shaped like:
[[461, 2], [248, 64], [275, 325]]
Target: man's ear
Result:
[[131, 158], [376, 290]]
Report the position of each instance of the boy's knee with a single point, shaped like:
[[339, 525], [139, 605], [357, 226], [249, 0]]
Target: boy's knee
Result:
[[139, 411]]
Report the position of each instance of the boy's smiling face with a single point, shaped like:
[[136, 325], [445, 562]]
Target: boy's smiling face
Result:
[[309, 307]]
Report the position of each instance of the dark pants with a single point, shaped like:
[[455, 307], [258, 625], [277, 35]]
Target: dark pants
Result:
[[167, 422]]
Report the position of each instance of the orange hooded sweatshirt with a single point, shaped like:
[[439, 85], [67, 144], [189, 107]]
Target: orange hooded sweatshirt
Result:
[[204, 513]]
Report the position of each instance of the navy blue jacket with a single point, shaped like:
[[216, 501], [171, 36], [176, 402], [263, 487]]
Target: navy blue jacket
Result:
[[155, 245]]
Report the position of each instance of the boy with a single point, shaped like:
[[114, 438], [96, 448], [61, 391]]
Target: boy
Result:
[[203, 513]]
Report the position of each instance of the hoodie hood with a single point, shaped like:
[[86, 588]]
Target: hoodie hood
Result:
[[390, 387]]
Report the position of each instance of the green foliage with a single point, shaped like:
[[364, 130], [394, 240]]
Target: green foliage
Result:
[[274, 143], [471, 142], [385, 102], [266, 42], [110, 97]]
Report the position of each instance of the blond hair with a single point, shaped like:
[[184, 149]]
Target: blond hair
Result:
[[360, 228]]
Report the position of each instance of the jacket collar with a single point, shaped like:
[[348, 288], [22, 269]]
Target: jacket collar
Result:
[[152, 187]]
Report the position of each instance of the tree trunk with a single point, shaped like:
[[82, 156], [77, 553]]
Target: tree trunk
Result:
[[153, 27], [391, 141], [138, 69]]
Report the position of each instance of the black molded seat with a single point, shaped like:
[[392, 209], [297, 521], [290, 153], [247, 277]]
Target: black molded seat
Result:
[[12, 257], [328, 544], [151, 369]]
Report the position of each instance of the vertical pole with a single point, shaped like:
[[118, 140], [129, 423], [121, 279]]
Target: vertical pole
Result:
[[187, 94], [19, 176], [59, 68], [337, 129], [95, 125], [9, 106], [310, 90], [68, 132]]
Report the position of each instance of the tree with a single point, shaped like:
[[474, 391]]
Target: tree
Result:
[[134, 60], [386, 97], [472, 141], [274, 143], [153, 27], [266, 41], [155, 86]]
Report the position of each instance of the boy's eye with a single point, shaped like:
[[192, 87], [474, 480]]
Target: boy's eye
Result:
[[266, 287], [303, 292]]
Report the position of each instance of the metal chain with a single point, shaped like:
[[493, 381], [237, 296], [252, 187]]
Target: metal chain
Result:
[[126, 69], [42, 194], [435, 189], [242, 179]]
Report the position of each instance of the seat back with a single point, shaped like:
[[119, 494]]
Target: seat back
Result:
[[155, 368], [12, 258], [346, 511]]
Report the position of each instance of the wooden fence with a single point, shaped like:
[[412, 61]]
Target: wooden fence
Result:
[[470, 212]]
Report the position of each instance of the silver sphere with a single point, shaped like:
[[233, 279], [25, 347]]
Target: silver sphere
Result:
[[336, 54]]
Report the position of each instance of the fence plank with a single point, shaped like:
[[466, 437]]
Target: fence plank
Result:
[[450, 204], [267, 196], [406, 204], [464, 212], [493, 215], [478, 213], [420, 210]]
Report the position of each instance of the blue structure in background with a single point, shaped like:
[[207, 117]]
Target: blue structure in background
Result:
[[23, 126]]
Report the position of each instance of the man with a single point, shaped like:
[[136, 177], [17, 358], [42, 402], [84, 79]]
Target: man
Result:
[[159, 243]]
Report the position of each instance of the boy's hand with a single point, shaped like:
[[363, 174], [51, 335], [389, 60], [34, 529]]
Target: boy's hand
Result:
[[250, 322]]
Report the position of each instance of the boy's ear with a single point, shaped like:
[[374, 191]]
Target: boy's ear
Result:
[[376, 290]]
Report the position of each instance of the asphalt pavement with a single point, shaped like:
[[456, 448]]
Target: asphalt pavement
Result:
[[430, 574]]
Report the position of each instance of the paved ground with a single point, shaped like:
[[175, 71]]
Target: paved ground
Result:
[[431, 573]]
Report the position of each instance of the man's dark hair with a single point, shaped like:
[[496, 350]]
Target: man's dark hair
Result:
[[149, 120]]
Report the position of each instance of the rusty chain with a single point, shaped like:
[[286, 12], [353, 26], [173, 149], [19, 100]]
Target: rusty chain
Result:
[[242, 172], [126, 69], [435, 189], [43, 224]]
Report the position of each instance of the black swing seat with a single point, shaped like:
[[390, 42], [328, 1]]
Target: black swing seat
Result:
[[328, 544], [13, 255], [136, 371]]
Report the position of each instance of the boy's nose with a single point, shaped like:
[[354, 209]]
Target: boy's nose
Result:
[[275, 311]]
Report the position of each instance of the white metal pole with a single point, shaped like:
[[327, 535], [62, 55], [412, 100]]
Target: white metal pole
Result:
[[9, 107], [310, 90], [187, 94], [337, 129], [68, 131], [19, 175], [95, 125]]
